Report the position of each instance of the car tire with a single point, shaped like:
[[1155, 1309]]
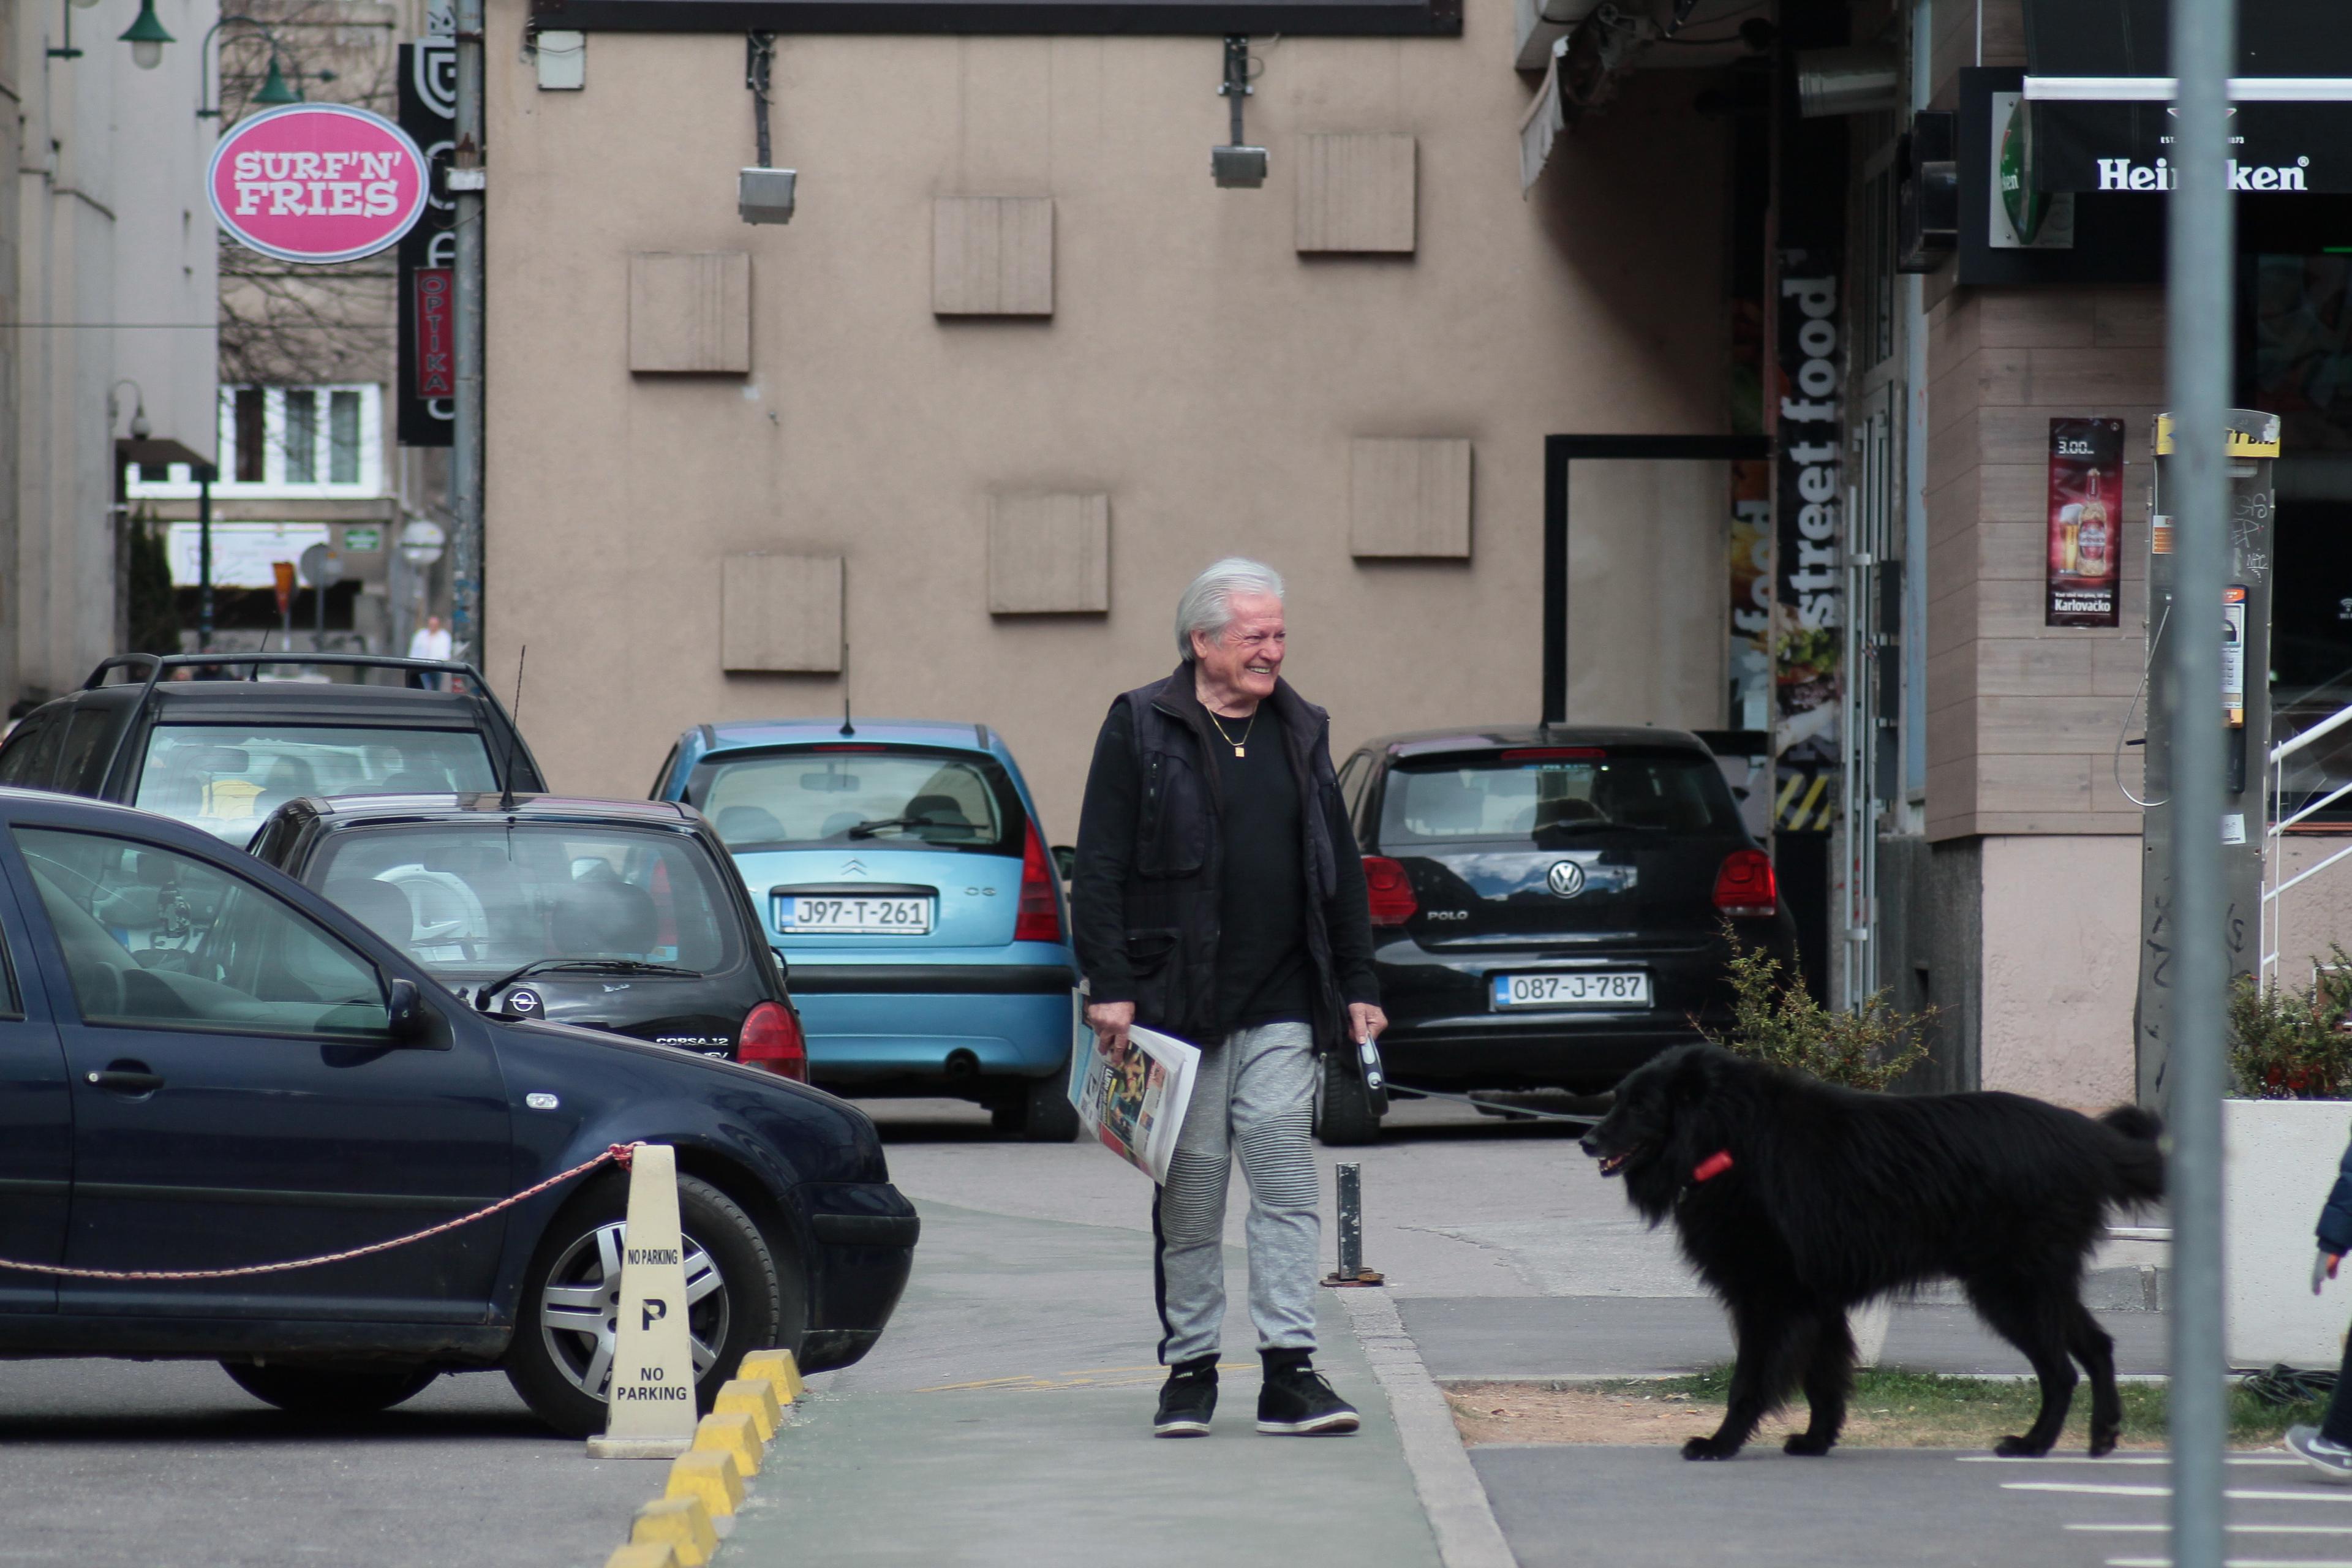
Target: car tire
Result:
[[330, 1390], [560, 1360], [1037, 1111], [1344, 1117]]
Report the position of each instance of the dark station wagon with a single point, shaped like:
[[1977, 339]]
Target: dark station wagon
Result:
[[1548, 904], [178, 738]]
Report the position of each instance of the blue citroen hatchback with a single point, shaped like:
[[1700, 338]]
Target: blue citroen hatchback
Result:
[[900, 870]]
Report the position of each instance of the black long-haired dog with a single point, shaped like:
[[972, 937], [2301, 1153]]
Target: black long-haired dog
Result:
[[1796, 1200]]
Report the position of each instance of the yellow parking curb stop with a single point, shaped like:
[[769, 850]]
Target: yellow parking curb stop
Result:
[[680, 1523], [644, 1554], [779, 1368], [710, 1474], [755, 1397], [734, 1432]]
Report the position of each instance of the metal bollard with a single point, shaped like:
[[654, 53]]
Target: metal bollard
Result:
[[1351, 1270]]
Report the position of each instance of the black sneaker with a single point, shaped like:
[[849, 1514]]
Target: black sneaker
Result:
[[1187, 1399], [1297, 1399]]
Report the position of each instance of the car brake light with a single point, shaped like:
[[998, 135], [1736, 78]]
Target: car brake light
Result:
[[772, 1039], [1041, 910], [1388, 891], [1746, 886], [1553, 754]]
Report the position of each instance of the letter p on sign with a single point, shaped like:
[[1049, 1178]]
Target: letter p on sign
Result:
[[651, 1410]]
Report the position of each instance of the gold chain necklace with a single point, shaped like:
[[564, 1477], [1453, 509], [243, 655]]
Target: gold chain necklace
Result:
[[1228, 739]]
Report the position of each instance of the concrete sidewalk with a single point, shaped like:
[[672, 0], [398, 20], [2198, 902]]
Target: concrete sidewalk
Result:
[[1005, 1419]]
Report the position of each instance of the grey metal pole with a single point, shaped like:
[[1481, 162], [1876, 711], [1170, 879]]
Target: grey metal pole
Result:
[[466, 619], [2198, 316]]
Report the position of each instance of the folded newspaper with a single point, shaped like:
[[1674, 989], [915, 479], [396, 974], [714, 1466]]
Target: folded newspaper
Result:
[[1133, 1098]]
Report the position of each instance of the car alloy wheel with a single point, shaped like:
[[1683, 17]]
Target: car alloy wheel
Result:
[[579, 1309]]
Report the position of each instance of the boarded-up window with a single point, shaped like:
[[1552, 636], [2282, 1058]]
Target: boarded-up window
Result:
[[1049, 553], [993, 256], [780, 613], [1409, 496], [690, 313], [1356, 193]]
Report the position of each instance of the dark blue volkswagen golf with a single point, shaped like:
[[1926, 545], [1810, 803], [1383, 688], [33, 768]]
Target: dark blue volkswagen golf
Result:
[[204, 1065]]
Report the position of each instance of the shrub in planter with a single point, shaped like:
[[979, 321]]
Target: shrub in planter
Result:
[[1775, 1019], [2293, 1043]]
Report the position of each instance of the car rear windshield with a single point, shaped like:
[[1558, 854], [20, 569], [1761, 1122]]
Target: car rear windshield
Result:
[[226, 778], [879, 799], [1544, 795], [476, 899]]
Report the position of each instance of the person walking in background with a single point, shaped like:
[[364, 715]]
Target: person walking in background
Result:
[[2327, 1446], [1218, 896], [430, 640]]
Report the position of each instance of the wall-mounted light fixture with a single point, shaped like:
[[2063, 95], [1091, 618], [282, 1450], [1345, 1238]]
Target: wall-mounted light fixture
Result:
[[762, 195], [1237, 167], [146, 38]]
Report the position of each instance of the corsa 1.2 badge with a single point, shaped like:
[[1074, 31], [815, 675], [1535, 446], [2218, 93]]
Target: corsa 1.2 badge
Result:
[[317, 182]]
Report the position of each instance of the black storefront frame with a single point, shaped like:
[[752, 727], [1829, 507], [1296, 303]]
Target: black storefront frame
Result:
[[1559, 452]]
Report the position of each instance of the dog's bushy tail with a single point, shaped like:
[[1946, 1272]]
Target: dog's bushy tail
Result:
[[2140, 1164]]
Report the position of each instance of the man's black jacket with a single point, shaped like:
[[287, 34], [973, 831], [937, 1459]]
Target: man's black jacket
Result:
[[1144, 896]]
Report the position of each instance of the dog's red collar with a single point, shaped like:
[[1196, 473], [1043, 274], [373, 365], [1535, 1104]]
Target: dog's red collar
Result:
[[1714, 1165]]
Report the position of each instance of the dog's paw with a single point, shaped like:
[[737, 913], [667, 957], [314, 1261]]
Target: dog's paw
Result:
[[2103, 1443], [1710, 1448], [1806, 1446], [2019, 1448]]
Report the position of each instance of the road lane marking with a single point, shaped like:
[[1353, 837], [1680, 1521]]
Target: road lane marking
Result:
[[2239, 1529], [2234, 1494], [2234, 1562], [2286, 1459]]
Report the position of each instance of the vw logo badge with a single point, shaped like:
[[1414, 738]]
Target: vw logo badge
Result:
[[1565, 879], [523, 1001]]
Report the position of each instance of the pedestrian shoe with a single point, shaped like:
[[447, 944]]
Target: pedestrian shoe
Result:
[[2333, 1460], [1187, 1399], [1297, 1400]]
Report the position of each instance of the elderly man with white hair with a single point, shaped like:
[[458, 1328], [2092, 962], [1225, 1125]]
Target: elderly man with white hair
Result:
[[1219, 895]]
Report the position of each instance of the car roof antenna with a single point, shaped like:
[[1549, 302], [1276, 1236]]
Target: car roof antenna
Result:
[[847, 727], [514, 734]]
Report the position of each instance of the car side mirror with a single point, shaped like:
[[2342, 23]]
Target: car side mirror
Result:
[[1066, 860], [406, 1017]]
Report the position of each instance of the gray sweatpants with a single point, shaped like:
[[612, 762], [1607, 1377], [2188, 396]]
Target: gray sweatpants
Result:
[[1253, 1095]]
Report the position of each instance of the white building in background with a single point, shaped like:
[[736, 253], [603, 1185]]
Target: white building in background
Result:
[[109, 290]]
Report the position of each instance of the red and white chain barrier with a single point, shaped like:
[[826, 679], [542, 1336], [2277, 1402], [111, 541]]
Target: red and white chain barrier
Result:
[[618, 1155]]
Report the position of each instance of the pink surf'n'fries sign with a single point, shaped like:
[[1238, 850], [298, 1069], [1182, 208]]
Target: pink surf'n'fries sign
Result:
[[317, 182]]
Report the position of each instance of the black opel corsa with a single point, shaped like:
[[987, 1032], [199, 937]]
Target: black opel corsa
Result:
[[1547, 905], [204, 1065], [612, 914]]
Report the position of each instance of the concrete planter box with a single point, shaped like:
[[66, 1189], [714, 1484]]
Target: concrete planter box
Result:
[[2279, 1158]]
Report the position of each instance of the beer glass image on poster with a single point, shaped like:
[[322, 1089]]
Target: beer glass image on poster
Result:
[[2084, 569], [1132, 1099]]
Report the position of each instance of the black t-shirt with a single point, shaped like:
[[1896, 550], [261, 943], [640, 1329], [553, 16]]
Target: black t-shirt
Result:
[[1263, 974]]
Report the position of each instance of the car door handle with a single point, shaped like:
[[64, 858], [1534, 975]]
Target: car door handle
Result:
[[127, 1077]]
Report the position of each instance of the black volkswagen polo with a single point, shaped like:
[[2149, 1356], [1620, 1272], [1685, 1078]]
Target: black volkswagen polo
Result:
[[1547, 905], [204, 1066], [611, 914]]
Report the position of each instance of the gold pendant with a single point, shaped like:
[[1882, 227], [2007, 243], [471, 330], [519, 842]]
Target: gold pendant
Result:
[[1237, 751]]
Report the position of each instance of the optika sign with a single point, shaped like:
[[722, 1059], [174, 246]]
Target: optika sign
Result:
[[317, 182], [2123, 174]]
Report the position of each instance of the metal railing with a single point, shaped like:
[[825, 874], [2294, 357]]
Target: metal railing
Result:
[[2274, 835]]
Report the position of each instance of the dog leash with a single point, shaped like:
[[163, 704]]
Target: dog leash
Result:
[[1490, 1107]]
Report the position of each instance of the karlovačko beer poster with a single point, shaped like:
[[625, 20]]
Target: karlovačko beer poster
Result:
[[2085, 546]]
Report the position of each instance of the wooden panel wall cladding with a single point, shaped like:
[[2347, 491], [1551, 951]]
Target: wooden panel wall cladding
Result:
[[690, 313], [780, 613], [2022, 718], [1409, 496], [993, 256], [1356, 193], [1048, 553]]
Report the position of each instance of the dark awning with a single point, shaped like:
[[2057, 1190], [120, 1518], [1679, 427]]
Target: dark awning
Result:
[[2098, 74]]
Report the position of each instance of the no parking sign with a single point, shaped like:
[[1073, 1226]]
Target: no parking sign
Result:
[[317, 182]]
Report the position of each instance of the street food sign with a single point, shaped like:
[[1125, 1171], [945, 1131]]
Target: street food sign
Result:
[[317, 182]]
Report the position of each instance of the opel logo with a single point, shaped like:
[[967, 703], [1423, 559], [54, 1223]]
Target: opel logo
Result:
[[1565, 879], [523, 1001]]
